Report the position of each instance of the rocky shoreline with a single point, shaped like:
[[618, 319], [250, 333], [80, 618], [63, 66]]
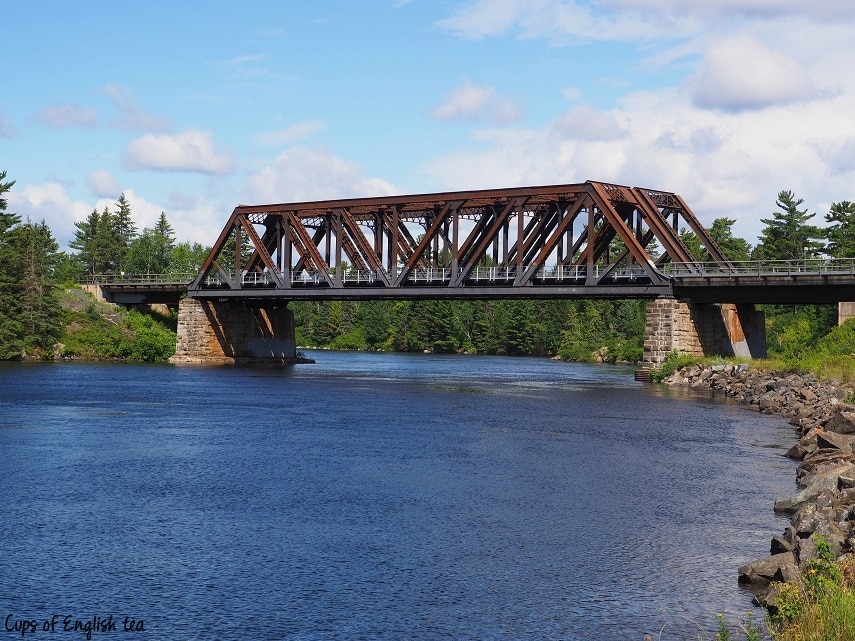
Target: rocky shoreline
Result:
[[824, 425]]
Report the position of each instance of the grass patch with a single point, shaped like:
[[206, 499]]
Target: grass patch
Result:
[[824, 608]]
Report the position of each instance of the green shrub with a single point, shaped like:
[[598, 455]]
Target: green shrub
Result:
[[100, 331], [674, 361], [352, 340]]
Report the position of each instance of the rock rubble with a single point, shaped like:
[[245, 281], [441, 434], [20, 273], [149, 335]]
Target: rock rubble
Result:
[[825, 428]]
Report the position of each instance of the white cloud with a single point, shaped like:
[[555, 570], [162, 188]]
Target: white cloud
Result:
[[562, 21], [191, 151], [132, 116], [49, 202], [742, 73], [483, 18], [102, 184], [829, 9], [301, 174], [586, 123], [291, 134], [469, 102], [195, 218], [67, 114], [565, 21]]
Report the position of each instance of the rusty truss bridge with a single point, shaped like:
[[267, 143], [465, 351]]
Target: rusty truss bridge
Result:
[[581, 240]]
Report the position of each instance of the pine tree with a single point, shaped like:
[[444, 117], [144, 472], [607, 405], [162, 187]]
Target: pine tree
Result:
[[11, 345], [735, 248], [151, 251], [84, 241], [787, 236], [841, 232], [37, 252], [106, 244], [123, 233], [29, 310]]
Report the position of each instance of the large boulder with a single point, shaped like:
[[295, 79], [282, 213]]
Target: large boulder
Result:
[[766, 570], [822, 463], [820, 483], [827, 439], [842, 420]]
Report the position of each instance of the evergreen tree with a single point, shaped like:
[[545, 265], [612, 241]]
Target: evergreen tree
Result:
[[4, 187], [106, 244], [122, 234], [841, 232], [693, 243], [407, 327], [373, 316], [787, 236], [37, 252], [11, 345], [29, 310], [69, 268], [151, 251], [721, 231], [523, 331], [96, 242], [84, 241], [735, 248]]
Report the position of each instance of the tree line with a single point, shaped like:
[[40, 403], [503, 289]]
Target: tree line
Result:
[[108, 241]]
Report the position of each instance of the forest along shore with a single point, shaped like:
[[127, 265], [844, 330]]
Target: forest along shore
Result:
[[825, 428]]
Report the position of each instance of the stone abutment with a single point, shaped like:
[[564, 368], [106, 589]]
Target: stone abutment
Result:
[[231, 331], [702, 329]]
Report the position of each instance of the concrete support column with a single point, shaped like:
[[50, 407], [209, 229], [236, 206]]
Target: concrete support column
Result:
[[233, 332], [845, 311], [703, 330]]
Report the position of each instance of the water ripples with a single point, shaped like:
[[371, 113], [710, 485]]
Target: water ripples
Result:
[[380, 497]]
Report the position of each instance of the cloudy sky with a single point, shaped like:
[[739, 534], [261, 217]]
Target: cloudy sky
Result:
[[191, 108]]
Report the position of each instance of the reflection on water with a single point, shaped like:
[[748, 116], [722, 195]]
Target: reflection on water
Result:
[[381, 497]]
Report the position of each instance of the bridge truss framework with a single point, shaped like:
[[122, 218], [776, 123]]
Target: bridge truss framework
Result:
[[579, 240]]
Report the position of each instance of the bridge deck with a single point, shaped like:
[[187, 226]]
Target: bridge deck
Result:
[[784, 282]]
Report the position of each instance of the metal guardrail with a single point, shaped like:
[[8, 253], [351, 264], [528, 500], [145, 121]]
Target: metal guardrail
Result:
[[505, 274], [137, 279], [806, 267], [440, 275]]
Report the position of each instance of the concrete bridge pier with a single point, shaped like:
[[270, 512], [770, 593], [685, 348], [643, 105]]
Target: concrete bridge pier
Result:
[[703, 329], [232, 331]]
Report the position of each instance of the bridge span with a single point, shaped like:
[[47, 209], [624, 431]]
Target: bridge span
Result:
[[587, 240]]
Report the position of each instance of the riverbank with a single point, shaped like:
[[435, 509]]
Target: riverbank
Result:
[[824, 421]]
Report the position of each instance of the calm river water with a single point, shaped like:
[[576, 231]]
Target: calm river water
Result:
[[377, 496]]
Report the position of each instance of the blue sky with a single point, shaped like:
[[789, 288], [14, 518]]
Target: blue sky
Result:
[[191, 108]]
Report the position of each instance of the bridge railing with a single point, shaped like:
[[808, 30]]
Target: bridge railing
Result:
[[136, 279], [482, 275], [809, 266]]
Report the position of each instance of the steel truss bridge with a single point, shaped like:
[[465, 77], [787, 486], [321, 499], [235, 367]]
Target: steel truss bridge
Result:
[[588, 240], [591, 239]]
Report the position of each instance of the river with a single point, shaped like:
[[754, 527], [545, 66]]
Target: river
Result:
[[377, 496]]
